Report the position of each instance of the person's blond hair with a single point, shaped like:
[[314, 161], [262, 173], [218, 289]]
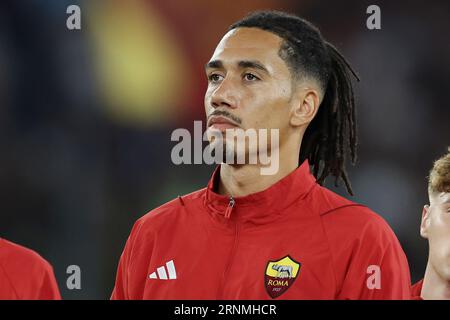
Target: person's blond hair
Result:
[[439, 178]]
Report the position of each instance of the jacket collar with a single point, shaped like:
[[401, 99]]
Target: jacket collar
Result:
[[262, 206], [416, 290]]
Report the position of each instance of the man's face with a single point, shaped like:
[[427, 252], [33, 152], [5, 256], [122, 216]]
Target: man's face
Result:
[[436, 228], [249, 85]]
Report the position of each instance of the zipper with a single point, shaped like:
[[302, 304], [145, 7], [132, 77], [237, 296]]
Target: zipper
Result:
[[230, 207], [233, 249]]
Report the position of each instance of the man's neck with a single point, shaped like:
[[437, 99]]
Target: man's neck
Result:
[[434, 286], [242, 180]]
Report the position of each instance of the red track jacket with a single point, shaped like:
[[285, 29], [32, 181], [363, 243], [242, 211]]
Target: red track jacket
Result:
[[416, 290], [24, 275], [294, 240]]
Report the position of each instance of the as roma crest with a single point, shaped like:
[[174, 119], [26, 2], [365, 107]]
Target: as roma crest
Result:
[[280, 275]]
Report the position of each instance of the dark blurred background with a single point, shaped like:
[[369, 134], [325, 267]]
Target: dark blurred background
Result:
[[86, 116]]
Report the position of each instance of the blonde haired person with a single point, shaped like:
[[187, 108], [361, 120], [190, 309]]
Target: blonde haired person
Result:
[[435, 227]]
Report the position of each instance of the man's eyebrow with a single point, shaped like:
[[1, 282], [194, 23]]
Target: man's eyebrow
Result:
[[214, 64], [253, 64], [218, 64]]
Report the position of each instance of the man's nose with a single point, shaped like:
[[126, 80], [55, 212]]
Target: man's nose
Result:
[[224, 95]]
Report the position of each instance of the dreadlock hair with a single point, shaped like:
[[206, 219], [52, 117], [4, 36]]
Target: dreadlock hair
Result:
[[331, 135]]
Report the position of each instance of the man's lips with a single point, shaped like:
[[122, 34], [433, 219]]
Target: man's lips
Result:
[[221, 123]]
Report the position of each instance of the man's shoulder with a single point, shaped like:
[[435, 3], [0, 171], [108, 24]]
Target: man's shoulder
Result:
[[356, 233], [324, 201], [167, 212], [345, 217], [15, 257]]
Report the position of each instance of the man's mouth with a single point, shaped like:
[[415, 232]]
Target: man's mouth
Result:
[[221, 123]]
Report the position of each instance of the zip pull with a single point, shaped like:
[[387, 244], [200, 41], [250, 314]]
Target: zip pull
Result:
[[230, 208]]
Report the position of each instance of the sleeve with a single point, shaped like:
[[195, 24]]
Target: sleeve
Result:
[[377, 274], [25, 275], [370, 259], [120, 291], [49, 289]]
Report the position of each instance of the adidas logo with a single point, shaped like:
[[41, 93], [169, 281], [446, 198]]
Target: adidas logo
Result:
[[162, 274]]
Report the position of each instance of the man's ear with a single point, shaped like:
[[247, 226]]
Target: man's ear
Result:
[[305, 107], [425, 224]]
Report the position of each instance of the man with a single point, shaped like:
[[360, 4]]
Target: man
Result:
[[435, 227], [253, 236], [24, 275]]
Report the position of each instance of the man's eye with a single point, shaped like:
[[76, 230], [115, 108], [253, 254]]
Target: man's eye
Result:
[[214, 77], [250, 77]]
